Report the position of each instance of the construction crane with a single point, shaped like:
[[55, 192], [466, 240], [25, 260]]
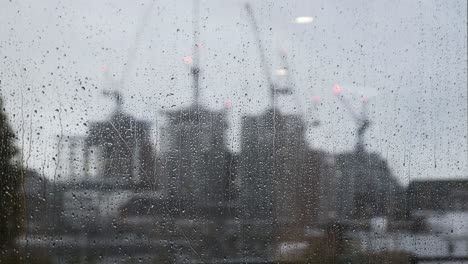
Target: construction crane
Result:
[[292, 85], [116, 85], [195, 69], [361, 119], [273, 89], [289, 88]]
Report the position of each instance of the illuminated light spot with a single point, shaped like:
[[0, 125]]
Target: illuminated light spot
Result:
[[303, 20], [336, 89], [281, 72], [104, 68], [315, 99], [227, 104], [363, 99], [188, 60]]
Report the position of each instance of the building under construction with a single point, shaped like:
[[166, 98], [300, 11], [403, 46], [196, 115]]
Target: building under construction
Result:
[[280, 179]]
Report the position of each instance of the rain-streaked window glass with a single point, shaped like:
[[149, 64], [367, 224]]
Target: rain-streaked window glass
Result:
[[205, 131]]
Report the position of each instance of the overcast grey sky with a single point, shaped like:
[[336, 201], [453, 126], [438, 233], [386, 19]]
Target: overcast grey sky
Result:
[[408, 57]]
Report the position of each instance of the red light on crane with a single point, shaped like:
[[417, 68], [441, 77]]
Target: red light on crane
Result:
[[336, 89], [227, 104], [188, 60]]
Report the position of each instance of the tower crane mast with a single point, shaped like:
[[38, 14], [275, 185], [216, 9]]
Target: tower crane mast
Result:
[[261, 52], [361, 119], [195, 69], [114, 91]]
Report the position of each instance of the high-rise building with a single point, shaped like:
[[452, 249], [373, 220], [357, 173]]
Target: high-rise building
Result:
[[194, 155], [365, 186], [122, 150], [279, 178], [198, 175]]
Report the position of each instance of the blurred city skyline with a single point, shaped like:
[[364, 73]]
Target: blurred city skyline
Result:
[[402, 56]]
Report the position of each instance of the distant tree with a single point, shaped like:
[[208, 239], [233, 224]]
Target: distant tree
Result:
[[10, 197]]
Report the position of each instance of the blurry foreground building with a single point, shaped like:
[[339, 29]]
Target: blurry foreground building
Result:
[[121, 150], [198, 174], [194, 155], [365, 187], [279, 179], [437, 196]]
